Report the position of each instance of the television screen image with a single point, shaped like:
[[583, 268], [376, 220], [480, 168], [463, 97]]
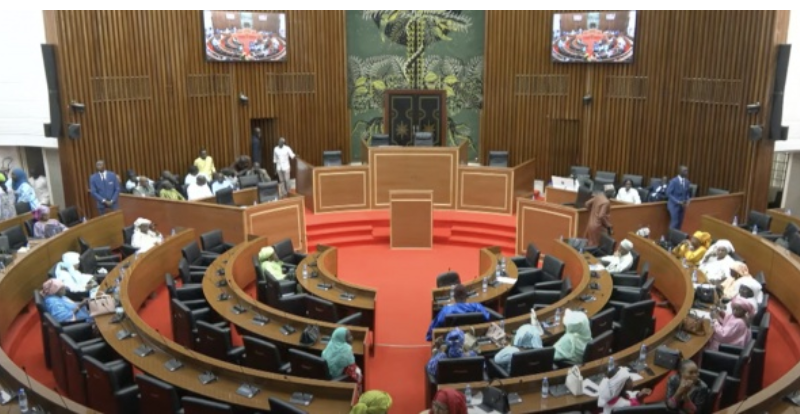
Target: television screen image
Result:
[[244, 36], [594, 37]]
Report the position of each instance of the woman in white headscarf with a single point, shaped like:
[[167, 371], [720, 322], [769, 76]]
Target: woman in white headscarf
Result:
[[614, 391], [145, 235], [749, 290], [577, 334], [717, 262], [528, 337], [67, 272]]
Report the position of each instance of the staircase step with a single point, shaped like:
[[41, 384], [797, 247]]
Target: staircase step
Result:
[[339, 229], [484, 231]]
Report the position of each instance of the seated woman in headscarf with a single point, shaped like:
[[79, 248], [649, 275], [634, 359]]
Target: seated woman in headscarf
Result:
[[614, 391], [450, 348], [528, 337], [732, 329], [59, 306], [46, 227], [730, 288], [339, 354], [270, 262], [23, 190], [7, 200], [169, 192], [686, 392], [449, 401], [693, 249], [749, 290], [78, 283], [460, 295], [578, 333], [373, 402], [145, 235], [717, 262], [620, 261]]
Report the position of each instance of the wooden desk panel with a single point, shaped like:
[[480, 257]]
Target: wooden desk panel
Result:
[[342, 188], [524, 175], [543, 223], [722, 207], [144, 276], [417, 169], [780, 220], [239, 274], [304, 181], [411, 220], [27, 274], [245, 197], [168, 215], [278, 220], [485, 189], [559, 196]]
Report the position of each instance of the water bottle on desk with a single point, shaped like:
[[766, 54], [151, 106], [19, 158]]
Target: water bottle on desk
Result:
[[452, 292], [305, 271], [83, 219], [684, 264], [755, 229], [643, 354], [485, 285], [503, 266], [497, 271], [22, 397], [610, 363], [557, 318], [788, 212], [468, 395], [694, 276], [503, 326], [735, 220], [545, 388]]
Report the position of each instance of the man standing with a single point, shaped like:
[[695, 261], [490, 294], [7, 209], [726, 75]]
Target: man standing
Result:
[[678, 194], [281, 157], [205, 164], [255, 146], [104, 186], [599, 207]]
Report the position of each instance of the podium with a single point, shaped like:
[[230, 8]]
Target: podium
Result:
[[411, 219]]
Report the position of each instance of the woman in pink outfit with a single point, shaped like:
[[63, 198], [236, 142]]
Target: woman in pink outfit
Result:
[[732, 329]]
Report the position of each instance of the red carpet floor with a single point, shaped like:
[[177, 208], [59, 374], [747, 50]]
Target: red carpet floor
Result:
[[404, 279]]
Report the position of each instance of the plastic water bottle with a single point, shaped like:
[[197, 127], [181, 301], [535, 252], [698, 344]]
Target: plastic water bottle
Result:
[[533, 316], [545, 388], [561, 238], [694, 276], [83, 219], [468, 395], [755, 229], [305, 271], [503, 266], [485, 285], [735, 220], [610, 363], [557, 319], [503, 325], [498, 271], [788, 212], [452, 292], [684, 264], [663, 240], [255, 202], [643, 353], [22, 397], [172, 232]]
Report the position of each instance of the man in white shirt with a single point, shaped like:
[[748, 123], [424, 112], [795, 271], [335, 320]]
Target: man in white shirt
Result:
[[145, 235], [281, 156], [628, 194], [199, 189], [620, 261]]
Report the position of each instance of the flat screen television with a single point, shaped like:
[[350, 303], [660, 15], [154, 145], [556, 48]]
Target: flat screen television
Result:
[[244, 36], [594, 37]]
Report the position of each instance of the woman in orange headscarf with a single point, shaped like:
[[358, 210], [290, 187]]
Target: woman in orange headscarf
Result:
[[694, 249]]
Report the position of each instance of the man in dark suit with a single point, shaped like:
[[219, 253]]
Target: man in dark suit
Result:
[[104, 186], [255, 146], [678, 194]]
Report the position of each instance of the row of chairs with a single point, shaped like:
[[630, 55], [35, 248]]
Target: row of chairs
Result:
[[603, 178]]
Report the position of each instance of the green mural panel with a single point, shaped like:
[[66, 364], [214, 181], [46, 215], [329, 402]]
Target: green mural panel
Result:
[[415, 49]]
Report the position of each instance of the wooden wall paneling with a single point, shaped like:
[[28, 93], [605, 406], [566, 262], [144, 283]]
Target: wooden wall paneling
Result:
[[682, 100], [152, 100]]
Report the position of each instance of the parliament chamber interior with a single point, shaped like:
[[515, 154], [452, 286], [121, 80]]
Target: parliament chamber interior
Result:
[[404, 211]]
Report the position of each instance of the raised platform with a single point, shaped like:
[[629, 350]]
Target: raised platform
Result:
[[469, 229]]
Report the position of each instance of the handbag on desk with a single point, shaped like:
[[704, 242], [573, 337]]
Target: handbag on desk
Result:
[[496, 399], [496, 334], [102, 305], [574, 381], [706, 294], [693, 324], [310, 335], [668, 358], [470, 341]]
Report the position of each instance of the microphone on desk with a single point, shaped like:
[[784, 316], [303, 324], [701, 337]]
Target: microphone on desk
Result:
[[258, 318], [206, 377], [173, 364], [143, 350], [247, 390]]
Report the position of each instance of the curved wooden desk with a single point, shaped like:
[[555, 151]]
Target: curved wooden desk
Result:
[[577, 270], [327, 268], [488, 260], [671, 280], [28, 273], [780, 219], [782, 271], [239, 274], [145, 275]]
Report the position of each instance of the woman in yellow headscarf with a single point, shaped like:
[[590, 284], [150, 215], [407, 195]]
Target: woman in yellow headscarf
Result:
[[373, 402], [694, 249]]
